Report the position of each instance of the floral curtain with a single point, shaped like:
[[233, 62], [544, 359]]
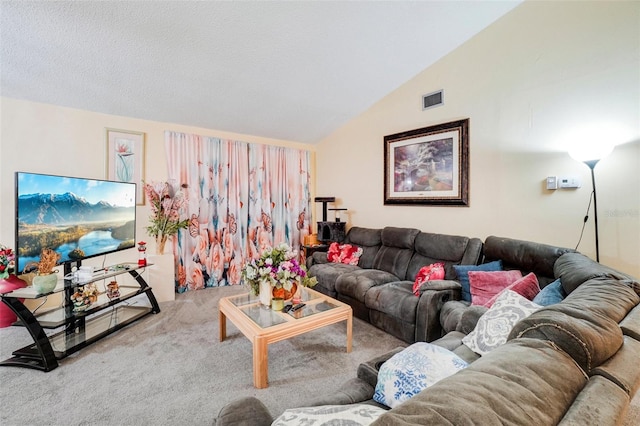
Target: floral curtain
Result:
[[241, 198]]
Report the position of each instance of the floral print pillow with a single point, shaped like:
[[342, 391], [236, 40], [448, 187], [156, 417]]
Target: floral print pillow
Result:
[[412, 370], [435, 271], [345, 253]]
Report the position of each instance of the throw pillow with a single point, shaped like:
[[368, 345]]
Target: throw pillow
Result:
[[526, 287], [412, 370], [351, 414], [494, 326], [345, 253], [485, 285], [463, 275], [435, 271], [553, 293]]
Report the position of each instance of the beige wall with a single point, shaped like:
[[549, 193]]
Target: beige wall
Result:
[[50, 139], [538, 74]]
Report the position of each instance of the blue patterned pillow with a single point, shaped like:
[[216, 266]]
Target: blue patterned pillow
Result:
[[412, 370], [463, 275], [551, 294]]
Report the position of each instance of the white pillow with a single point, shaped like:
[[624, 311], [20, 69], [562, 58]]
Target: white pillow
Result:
[[412, 370], [494, 326], [352, 414]]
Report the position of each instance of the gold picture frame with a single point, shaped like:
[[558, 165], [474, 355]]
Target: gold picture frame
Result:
[[125, 159], [428, 166]]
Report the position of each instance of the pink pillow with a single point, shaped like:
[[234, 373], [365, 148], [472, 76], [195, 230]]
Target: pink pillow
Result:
[[484, 284], [345, 253], [435, 271], [526, 286]]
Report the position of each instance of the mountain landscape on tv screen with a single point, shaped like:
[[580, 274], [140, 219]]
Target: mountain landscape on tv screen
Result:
[[72, 226], [66, 209]]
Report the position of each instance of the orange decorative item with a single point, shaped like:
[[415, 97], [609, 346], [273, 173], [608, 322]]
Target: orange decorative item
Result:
[[284, 294]]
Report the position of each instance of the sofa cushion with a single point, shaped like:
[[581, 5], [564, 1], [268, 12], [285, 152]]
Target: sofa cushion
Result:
[[630, 325], [448, 249], [393, 308], [609, 297], [551, 294], [526, 287], [485, 285], [622, 368], [524, 382], [415, 368], [352, 414], [574, 269], [369, 240], [462, 272], [591, 408], [526, 256], [356, 283], [453, 342], [494, 326], [588, 337], [396, 251], [327, 274]]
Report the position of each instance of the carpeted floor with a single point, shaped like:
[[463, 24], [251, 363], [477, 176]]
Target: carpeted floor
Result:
[[170, 369]]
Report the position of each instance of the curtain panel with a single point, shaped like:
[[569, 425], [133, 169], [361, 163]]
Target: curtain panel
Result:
[[241, 199]]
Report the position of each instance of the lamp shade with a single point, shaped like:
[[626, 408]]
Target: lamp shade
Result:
[[590, 151]]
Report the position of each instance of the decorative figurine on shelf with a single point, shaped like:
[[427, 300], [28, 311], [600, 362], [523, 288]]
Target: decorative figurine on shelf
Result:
[[113, 290], [142, 253], [84, 297]]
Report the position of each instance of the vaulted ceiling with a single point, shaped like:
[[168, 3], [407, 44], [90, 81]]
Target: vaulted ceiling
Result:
[[280, 69]]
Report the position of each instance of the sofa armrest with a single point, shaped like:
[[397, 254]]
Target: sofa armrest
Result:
[[317, 257], [433, 295], [368, 371], [248, 411], [352, 391]]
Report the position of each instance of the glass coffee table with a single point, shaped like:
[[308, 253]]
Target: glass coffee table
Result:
[[264, 326]]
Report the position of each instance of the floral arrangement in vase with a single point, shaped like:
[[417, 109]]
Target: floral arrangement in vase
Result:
[[166, 202], [279, 267], [8, 283], [7, 261]]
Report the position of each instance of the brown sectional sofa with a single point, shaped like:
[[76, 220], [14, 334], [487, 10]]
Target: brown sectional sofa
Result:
[[570, 363]]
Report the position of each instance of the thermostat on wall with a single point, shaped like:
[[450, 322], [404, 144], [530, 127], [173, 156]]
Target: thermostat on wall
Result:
[[569, 182]]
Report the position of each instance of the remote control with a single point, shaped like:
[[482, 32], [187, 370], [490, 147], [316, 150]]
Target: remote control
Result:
[[297, 307], [286, 308]]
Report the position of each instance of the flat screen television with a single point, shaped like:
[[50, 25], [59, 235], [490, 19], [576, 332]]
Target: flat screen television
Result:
[[78, 218]]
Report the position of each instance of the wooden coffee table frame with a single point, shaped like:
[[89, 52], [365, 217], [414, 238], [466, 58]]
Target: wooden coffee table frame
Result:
[[261, 337]]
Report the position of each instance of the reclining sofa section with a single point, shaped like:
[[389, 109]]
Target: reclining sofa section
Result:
[[379, 288]]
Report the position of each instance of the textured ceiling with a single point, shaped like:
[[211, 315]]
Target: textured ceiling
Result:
[[286, 70]]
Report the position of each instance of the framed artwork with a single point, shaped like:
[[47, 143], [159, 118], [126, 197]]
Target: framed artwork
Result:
[[428, 166], [125, 159]]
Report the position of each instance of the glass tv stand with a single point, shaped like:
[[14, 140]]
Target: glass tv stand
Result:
[[79, 328]]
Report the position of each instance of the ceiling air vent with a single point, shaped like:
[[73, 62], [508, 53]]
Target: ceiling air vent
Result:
[[433, 99]]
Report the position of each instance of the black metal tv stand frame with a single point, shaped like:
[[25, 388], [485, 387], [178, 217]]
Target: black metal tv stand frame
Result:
[[80, 328]]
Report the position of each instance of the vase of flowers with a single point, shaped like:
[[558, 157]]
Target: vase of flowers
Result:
[[277, 268], [166, 201], [8, 282], [46, 278]]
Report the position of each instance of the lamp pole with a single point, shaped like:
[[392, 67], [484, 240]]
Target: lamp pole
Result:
[[592, 165]]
